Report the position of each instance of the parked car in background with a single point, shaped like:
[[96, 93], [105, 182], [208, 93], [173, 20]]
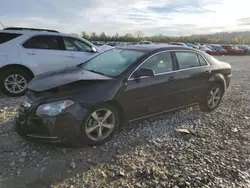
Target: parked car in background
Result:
[[134, 43], [189, 45], [111, 44], [208, 46], [178, 44], [88, 102], [233, 50], [196, 45], [145, 42], [204, 48], [27, 52], [246, 48], [219, 49]]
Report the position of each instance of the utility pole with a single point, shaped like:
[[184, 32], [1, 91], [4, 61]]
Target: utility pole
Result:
[[2, 24]]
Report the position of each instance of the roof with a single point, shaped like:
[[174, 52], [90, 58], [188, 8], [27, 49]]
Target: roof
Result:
[[29, 29], [35, 32], [158, 47]]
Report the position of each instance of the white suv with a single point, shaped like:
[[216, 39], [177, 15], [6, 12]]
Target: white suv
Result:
[[27, 52]]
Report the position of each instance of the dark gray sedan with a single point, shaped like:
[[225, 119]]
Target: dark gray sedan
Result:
[[88, 102]]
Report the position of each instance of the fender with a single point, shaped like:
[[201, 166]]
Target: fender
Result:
[[219, 78]]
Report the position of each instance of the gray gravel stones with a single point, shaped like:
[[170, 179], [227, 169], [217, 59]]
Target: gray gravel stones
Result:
[[150, 153], [23, 154], [73, 165]]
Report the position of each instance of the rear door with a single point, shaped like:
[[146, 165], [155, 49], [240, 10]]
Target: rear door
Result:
[[44, 51], [194, 72], [77, 51], [149, 95]]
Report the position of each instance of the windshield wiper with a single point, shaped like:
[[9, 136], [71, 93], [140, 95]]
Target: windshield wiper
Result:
[[79, 65], [96, 72]]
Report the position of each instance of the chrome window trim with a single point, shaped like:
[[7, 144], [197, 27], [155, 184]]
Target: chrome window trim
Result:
[[208, 64]]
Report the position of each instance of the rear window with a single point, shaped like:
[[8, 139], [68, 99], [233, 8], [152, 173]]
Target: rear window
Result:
[[187, 60], [46, 42], [5, 37]]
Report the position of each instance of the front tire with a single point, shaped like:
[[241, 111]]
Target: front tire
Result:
[[14, 81], [100, 124], [212, 98]]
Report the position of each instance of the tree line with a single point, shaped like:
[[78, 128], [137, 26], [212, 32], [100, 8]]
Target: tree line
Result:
[[217, 38]]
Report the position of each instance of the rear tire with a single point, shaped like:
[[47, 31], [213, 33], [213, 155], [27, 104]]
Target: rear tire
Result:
[[14, 81], [212, 98], [94, 118]]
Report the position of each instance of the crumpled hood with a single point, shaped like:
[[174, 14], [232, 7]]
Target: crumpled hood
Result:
[[54, 79]]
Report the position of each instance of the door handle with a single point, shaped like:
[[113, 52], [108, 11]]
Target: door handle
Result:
[[172, 78], [31, 53]]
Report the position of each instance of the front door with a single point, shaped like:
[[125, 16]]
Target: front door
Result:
[[151, 95], [77, 51]]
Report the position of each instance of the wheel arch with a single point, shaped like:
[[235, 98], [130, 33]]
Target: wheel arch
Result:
[[119, 108], [117, 105], [16, 66], [218, 79]]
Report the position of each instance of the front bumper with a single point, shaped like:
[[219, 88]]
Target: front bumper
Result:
[[65, 127]]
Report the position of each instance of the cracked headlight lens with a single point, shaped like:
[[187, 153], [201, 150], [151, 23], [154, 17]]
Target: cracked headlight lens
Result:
[[53, 108]]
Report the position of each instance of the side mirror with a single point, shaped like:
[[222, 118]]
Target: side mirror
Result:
[[93, 49], [144, 72]]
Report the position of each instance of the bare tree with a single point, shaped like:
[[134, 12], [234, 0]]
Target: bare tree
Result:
[[139, 34], [84, 35], [103, 36]]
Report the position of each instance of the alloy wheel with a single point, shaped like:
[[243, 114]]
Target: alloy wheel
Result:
[[15, 83], [100, 124], [214, 97]]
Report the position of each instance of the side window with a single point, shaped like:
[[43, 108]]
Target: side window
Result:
[[187, 60], [202, 60], [5, 37], [72, 44], [43, 42], [160, 63]]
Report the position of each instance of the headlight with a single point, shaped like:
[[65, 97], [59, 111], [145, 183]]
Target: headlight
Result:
[[54, 108]]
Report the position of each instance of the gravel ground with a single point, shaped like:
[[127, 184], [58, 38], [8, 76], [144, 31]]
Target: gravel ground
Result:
[[150, 153]]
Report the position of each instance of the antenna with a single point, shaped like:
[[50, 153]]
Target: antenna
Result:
[[2, 24]]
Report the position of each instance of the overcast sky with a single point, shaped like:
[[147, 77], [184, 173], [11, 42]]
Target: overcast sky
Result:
[[167, 17]]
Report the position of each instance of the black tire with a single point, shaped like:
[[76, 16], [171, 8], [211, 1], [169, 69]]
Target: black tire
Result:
[[204, 106], [10, 72], [85, 139]]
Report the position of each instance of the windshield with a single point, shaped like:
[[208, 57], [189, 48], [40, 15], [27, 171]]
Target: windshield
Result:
[[113, 62]]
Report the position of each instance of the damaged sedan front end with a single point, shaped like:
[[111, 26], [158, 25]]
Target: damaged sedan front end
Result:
[[49, 111], [57, 104]]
